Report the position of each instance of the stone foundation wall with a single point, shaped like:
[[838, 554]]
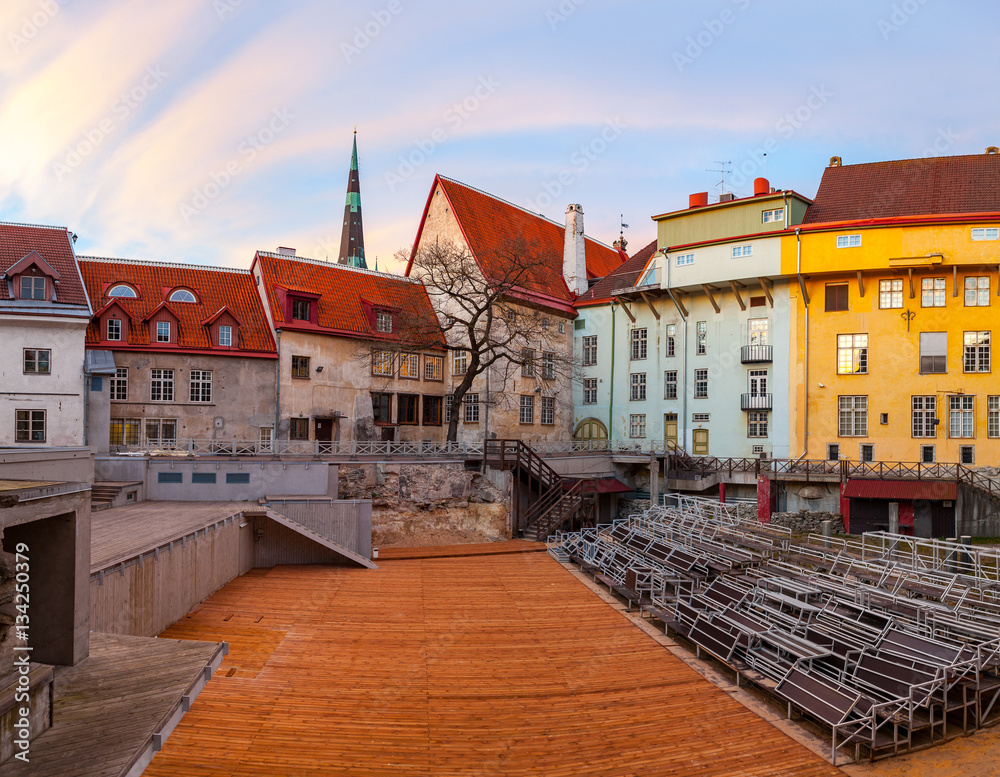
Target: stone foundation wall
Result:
[[627, 507], [808, 521]]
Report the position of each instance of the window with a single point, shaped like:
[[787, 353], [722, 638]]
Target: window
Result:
[[163, 331], [853, 416], [701, 338], [161, 431], [848, 241], [976, 352], [267, 439], [700, 384], [114, 329], [432, 410], [382, 408], [579, 324], [119, 384], [927, 454], [671, 340], [300, 366], [32, 288], [670, 384], [590, 391], [226, 336], [407, 409], [867, 452], [409, 366], [121, 290], [757, 450], [548, 365], [383, 321], [924, 416], [757, 424], [125, 431], [548, 410], [298, 429], [382, 363], [977, 291], [966, 454], [852, 354], [637, 425], [562, 327], [769, 216], [740, 251], [757, 382], [832, 452], [201, 385], [993, 416], [459, 362], [757, 331], [449, 405], [961, 416], [590, 351], [683, 260], [527, 409], [527, 363], [638, 338], [545, 323], [300, 309], [161, 385], [836, 296], [932, 292], [433, 368], [701, 418], [890, 293], [933, 352], [182, 295], [638, 385], [758, 302], [30, 425], [37, 360], [471, 402], [985, 233]]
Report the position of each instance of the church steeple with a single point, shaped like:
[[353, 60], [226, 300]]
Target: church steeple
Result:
[[352, 239]]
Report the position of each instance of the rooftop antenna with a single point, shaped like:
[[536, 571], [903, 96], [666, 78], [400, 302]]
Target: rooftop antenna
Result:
[[725, 168], [765, 164]]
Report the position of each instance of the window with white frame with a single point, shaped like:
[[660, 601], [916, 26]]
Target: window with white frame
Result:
[[548, 365], [741, 251], [123, 290], [548, 415], [701, 384], [381, 363], [832, 451], [757, 382], [993, 416], [770, 216], [671, 339], [757, 331], [638, 340], [967, 454], [459, 362], [590, 391], [163, 331], [161, 385], [866, 452], [471, 403], [527, 415], [449, 405], [114, 329], [433, 367], [933, 353], [383, 321], [977, 291], [890, 293], [852, 418], [201, 385], [527, 363], [933, 292], [924, 416], [637, 425], [701, 338], [670, 384], [848, 241], [226, 336], [29, 425], [638, 384], [590, 351], [852, 354], [961, 416], [976, 352], [682, 260], [183, 295], [986, 233], [119, 385], [409, 366], [701, 418], [757, 424]]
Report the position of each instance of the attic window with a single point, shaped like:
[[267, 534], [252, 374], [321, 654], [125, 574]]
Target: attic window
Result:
[[848, 241], [32, 287], [986, 233], [122, 290], [182, 295], [383, 321], [300, 309]]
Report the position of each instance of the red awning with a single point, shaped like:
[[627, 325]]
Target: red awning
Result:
[[901, 489]]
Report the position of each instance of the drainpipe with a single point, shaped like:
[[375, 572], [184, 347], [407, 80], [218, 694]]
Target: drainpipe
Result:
[[611, 400], [805, 352], [86, 406], [277, 395]]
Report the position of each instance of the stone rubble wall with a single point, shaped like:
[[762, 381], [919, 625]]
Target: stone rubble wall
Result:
[[808, 521]]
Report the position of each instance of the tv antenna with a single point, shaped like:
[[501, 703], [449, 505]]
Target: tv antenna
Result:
[[725, 169]]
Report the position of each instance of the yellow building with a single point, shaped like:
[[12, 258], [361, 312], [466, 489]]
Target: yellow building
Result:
[[893, 311]]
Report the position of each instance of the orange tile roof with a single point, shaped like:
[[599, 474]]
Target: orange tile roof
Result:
[[214, 287], [908, 187], [347, 296], [488, 222], [626, 275], [54, 246]]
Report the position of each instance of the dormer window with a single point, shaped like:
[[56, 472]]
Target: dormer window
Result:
[[226, 336], [383, 321], [182, 295], [123, 290], [114, 329], [163, 331], [32, 287], [300, 309]]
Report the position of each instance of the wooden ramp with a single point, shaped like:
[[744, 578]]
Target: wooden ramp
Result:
[[305, 531], [486, 665]]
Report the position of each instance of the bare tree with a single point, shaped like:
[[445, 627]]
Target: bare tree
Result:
[[490, 317]]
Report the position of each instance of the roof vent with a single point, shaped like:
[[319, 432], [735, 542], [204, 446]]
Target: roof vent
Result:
[[992, 150], [286, 251], [760, 186], [727, 197], [698, 200], [835, 161]]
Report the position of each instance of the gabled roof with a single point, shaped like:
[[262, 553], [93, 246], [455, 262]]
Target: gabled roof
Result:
[[55, 247], [346, 297], [214, 287], [626, 275], [487, 222], [908, 187], [36, 259]]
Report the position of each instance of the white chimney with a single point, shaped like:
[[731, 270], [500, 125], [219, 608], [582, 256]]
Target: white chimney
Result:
[[285, 251], [574, 251]]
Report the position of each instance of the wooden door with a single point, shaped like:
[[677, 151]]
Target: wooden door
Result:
[[699, 438], [670, 427]]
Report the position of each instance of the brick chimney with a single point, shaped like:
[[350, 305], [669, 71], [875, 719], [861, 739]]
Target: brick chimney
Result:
[[574, 251]]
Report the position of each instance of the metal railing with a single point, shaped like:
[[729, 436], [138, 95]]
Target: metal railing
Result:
[[757, 354], [756, 401]]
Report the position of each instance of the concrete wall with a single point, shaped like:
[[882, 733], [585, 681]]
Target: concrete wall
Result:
[[976, 514], [66, 465]]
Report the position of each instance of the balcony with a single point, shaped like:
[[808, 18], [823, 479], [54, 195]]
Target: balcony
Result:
[[756, 401], [757, 354]]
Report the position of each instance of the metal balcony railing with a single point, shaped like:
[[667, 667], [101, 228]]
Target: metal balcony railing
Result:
[[756, 401], [757, 354]]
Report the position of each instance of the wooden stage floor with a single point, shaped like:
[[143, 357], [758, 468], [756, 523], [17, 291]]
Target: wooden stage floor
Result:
[[486, 665]]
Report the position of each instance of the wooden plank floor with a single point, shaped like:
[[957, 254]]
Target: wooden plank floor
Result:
[[124, 532], [499, 664], [453, 551], [107, 707]]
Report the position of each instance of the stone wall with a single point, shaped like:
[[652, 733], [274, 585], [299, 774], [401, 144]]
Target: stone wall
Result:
[[7, 611], [627, 507], [808, 521]]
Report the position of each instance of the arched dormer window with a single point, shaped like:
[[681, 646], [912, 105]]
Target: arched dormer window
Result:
[[182, 295], [122, 290]]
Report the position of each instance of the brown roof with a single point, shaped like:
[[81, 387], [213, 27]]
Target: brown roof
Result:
[[624, 276], [908, 187], [54, 245]]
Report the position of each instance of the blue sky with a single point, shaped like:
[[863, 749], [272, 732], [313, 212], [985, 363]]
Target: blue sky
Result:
[[201, 130]]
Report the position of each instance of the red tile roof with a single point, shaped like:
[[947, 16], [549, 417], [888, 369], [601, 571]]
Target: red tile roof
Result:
[[626, 275], [908, 187], [214, 287], [347, 297], [488, 222], [54, 245]]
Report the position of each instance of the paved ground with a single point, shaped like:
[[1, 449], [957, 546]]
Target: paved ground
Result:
[[490, 664]]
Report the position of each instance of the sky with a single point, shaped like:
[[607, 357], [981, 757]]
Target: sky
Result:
[[203, 130]]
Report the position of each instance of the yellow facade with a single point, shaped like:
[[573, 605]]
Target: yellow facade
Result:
[[886, 369]]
